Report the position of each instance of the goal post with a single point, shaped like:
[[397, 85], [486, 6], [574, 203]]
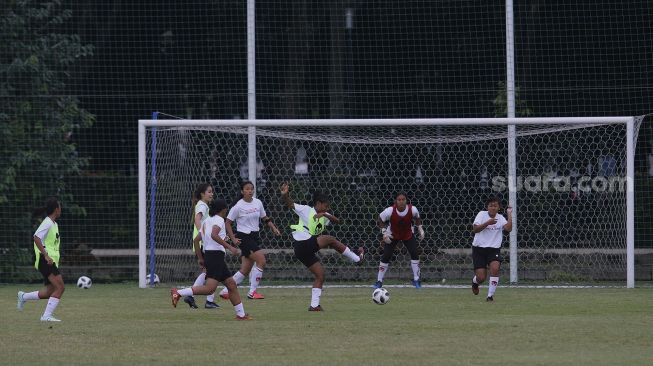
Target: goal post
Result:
[[574, 189]]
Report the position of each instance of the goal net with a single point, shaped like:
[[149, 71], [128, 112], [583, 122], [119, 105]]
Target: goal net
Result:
[[570, 186]]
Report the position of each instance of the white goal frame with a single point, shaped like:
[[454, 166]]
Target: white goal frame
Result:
[[629, 122]]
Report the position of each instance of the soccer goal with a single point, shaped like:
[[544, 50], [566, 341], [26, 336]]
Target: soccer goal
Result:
[[570, 181]]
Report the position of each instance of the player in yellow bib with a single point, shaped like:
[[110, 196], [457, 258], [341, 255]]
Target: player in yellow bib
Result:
[[46, 249], [309, 238], [202, 197]]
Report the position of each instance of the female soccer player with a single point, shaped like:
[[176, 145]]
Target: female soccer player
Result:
[[211, 256], [309, 239], [202, 196], [46, 248], [401, 216], [247, 214], [486, 247]]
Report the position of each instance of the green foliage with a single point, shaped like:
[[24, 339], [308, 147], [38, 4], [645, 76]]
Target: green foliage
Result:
[[501, 103], [38, 116]]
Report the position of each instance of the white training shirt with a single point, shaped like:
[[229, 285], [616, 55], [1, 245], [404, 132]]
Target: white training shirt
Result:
[[387, 214], [203, 208], [491, 236], [247, 215], [43, 229], [303, 211], [207, 229]]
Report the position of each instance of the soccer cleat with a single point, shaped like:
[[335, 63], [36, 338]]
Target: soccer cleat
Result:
[[49, 319], [417, 283], [255, 296], [225, 295], [211, 305], [174, 295], [190, 300], [377, 284], [489, 299], [317, 308], [244, 317], [21, 301], [475, 288]]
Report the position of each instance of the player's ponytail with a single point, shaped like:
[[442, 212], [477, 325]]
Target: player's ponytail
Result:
[[51, 204]]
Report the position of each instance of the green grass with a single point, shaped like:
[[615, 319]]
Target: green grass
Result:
[[124, 325]]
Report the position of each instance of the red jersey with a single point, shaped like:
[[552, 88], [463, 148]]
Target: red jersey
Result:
[[402, 227]]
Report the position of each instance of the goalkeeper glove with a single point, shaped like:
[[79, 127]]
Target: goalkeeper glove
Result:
[[387, 235], [420, 230]]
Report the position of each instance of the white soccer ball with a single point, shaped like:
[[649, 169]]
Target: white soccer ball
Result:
[[381, 296], [148, 277], [84, 282]]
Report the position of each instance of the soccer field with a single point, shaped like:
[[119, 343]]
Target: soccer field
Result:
[[124, 325]]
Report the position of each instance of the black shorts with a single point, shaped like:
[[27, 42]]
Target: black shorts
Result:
[[305, 251], [216, 267], [249, 243], [482, 257], [47, 269]]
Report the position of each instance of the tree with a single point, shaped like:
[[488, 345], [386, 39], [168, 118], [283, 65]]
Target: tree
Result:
[[501, 103], [37, 115]]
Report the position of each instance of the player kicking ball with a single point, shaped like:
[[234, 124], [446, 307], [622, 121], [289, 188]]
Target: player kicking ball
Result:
[[488, 231], [308, 239]]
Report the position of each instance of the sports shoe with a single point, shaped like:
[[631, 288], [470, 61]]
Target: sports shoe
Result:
[[489, 299], [21, 301], [377, 284], [417, 283], [190, 301], [49, 319], [175, 296], [361, 254], [211, 305], [225, 295], [255, 296], [475, 288], [317, 308], [244, 317]]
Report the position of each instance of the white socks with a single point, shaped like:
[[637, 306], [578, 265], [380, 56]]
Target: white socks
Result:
[[383, 268], [474, 280], [239, 309], [254, 278], [494, 282], [351, 255], [186, 291], [52, 305], [238, 278], [414, 264], [315, 297], [34, 295], [199, 281], [210, 298]]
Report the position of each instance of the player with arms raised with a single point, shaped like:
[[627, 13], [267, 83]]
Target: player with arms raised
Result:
[[488, 231], [309, 239], [400, 216]]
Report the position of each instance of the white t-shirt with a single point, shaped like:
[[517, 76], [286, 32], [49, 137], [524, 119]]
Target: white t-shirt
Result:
[[247, 215], [203, 208], [492, 235], [303, 211], [387, 214], [207, 229], [43, 229]]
